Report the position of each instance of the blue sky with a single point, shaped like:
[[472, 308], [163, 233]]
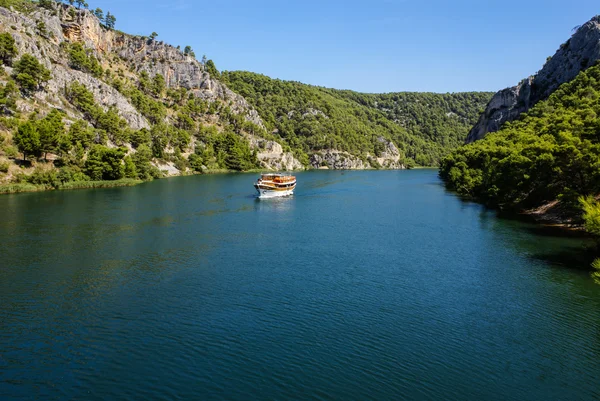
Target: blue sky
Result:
[[368, 46]]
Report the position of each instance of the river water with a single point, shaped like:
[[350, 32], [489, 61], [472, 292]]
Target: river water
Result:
[[363, 285]]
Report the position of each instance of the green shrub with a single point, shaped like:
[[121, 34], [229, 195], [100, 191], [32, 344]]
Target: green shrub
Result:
[[30, 74], [8, 49], [82, 60]]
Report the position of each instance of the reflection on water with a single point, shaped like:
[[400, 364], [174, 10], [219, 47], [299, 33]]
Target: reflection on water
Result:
[[276, 205]]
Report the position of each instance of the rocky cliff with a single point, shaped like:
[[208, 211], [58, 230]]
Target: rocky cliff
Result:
[[47, 33], [581, 51]]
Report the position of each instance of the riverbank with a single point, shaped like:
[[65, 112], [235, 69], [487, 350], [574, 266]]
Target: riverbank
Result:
[[26, 187], [13, 188]]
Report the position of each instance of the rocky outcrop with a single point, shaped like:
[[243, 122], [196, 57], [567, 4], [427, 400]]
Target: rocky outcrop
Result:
[[271, 156], [582, 50], [143, 54], [390, 157], [157, 57], [23, 28], [333, 159], [337, 160]]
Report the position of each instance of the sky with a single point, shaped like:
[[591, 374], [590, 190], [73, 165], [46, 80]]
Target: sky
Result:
[[371, 46]]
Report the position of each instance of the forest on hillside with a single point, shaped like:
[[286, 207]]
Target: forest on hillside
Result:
[[424, 126], [552, 152]]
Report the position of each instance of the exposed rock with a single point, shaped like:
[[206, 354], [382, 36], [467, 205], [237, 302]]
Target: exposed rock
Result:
[[578, 53], [104, 94], [337, 160], [272, 157], [154, 57], [390, 157], [167, 168], [49, 54], [310, 112]]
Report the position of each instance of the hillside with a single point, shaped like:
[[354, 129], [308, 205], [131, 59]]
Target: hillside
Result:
[[581, 51], [82, 103], [443, 119], [355, 130], [544, 159], [552, 152]]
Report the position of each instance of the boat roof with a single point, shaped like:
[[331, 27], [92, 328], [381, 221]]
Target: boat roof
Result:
[[276, 174]]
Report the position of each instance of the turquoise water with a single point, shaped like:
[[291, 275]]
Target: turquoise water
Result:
[[363, 285]]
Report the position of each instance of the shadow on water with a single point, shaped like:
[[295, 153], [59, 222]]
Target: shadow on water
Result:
[[575, 258], [554, 245]]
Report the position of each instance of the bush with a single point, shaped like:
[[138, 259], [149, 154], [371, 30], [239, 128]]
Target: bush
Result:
[[105, 164], [80, 59], [8, 49], [46, 178], [4, 166]]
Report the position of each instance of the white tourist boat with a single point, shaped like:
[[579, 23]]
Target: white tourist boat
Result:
[[273, 185]]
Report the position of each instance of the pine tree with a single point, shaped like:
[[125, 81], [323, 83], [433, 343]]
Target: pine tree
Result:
[[27, 139], [8, 49], [99, 14]]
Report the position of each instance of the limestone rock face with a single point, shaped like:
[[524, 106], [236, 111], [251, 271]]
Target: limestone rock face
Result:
[[272, 157], [390, 157], [582, 50], [142, 54], [337, 160]]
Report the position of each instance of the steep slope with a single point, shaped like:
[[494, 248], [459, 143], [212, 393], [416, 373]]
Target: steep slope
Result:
[[581, 51], [550, 157], [129, 92], [352, 130]]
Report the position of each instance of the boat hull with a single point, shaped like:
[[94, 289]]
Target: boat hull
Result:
[[273, 193], [264, 194]]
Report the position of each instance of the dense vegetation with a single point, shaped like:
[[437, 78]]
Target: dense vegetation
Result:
[[424, 126], [552, 152], [60, 150], [444, 119]]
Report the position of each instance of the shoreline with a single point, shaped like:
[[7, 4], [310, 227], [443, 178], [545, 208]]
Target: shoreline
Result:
[[17, 188], [9, 189]]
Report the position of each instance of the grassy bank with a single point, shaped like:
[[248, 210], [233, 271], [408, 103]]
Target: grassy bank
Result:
[[17, 188]]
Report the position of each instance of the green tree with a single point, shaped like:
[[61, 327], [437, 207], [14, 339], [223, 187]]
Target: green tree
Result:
[[47, 4], [51, 129], [591, 218], [79, 59], [130, 169], [188, 51], [110, 21], [105, 164], [8, 49], [27, 139], [212, 69], [30, 74], [81, 133], [41, 29], [8, 97], [84, 101], [142, 158], [99, 14], [153, 35], [158, 85]]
